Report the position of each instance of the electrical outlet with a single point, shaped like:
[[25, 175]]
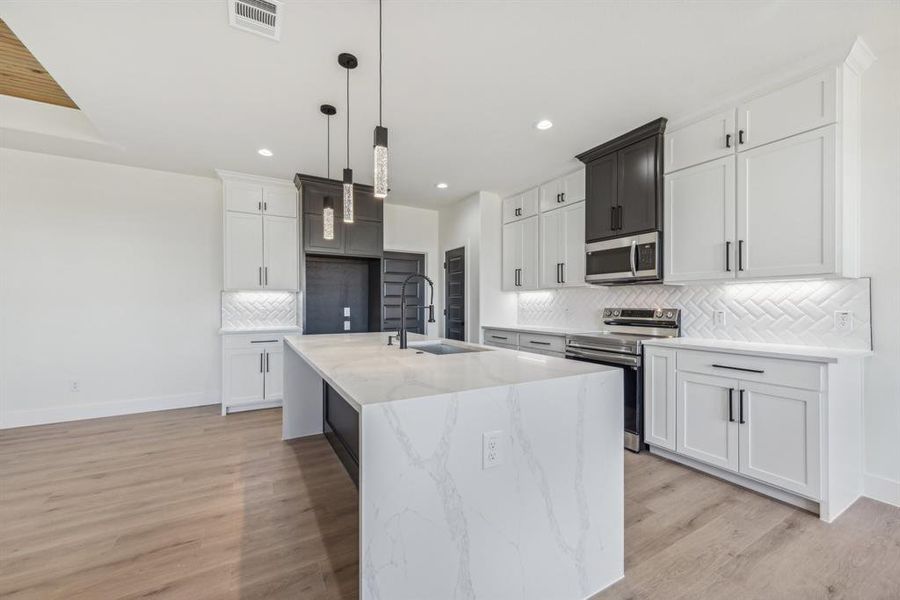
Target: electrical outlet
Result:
[[346, 311], [492, 449], [843, 320], [346, 325], [76, 386], [719, 318]]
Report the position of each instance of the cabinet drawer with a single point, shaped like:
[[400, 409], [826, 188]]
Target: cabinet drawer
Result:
[[553, 343], [501, 337], [791, 373], [542, 352], [253, 340]]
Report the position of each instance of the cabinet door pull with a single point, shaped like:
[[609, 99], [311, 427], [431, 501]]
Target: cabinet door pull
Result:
[[260, 276], [563, 196], [263, 341], [265, 206], [260, 362], [499, 337], [619, 207], [259, 206], [266, 277], [536, 343], [744, 369], [728, 140], [740, 136], [731, 405], [740, 255], [562, 272], [728, 256], [267, 362], [741, 409]]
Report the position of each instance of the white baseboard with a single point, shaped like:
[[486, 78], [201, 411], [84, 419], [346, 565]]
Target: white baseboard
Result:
[[882, 489], [60, 414]]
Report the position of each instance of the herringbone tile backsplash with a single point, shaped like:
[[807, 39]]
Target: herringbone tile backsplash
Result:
[[793, 312], [250, 310]]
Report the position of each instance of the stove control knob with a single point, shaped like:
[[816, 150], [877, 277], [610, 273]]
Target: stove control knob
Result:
[[658, 314], [670, 314], [615, 313], [607, 312]]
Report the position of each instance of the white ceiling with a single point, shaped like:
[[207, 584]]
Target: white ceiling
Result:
[[171, 86]]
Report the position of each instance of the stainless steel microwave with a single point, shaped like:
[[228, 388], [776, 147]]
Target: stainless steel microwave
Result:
[[628, 259]]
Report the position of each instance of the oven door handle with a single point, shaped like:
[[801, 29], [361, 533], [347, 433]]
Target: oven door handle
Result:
[[610, 357], [633, 258]]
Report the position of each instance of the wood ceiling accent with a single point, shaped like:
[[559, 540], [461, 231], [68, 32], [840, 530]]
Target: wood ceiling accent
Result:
[[22, 76]]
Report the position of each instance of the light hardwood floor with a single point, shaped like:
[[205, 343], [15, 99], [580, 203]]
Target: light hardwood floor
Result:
[[188, 504]]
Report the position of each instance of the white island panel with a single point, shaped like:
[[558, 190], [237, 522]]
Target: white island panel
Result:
[[546, 523]]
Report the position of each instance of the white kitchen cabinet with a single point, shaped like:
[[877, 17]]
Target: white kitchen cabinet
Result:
[[713, 137], [787, 425], [563, 191], [707, 429], [786, 207], [551, 255], [521, 206], [520, 255], [545, 344], [788, 110], [262, 236], [562, 247], [281, 267], [779, 437], [700, 222], [795, 180], [252, 371], [659, 410], [243, 251]]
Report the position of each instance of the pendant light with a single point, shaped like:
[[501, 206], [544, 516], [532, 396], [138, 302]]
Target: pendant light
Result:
[[328, 203], [348, 61], [381, 133]]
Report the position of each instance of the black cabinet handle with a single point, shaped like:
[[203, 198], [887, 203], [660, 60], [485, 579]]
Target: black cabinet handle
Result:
[[562, 272], [728, 140], [741, 409], [557, 273], [259, 206], [499, 337], [265, 206], [731, 405], [740, 255], [263, 341], [562, 197], [740, 136], [260, 362], [260, 276], [620, 216], [744, 369], [266, 275], [267, 362], [536, 343], [728, 256]]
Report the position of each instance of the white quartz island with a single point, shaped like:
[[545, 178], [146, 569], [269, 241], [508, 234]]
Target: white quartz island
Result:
[[436, 520]]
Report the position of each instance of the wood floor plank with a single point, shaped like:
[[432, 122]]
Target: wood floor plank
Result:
[[191, 505]]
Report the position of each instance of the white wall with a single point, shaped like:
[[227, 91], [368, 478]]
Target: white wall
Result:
[[109, 276], [409, 229], [495, 306], [880, 222]]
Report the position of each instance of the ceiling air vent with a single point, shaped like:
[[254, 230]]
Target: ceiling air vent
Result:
[[256, 16]]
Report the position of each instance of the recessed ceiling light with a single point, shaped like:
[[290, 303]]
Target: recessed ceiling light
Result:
[[544, 124], [264, 152], [441, 186]]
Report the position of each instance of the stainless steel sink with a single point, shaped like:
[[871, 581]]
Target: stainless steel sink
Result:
[[442, 348]]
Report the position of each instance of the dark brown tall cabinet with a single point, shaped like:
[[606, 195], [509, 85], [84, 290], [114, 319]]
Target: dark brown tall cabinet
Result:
[[624, 179], [341, 277]]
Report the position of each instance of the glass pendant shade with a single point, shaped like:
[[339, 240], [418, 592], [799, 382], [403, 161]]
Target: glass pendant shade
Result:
[[328, 218], [381, 162], [348, 195]]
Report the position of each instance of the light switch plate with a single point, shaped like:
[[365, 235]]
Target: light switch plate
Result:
[[346, 311], [346, 325]]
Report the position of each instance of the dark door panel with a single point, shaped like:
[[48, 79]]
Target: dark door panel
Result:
[[397, 267], [331, 285], [638, 186], [455, 294], [601, 180]]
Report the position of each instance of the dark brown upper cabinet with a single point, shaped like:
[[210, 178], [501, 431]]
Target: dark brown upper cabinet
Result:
[[363, 237], [625, 184]]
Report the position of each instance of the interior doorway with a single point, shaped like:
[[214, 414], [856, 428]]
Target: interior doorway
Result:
[[455, 294]]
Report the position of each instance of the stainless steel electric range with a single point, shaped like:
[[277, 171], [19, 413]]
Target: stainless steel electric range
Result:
[[619, 344]]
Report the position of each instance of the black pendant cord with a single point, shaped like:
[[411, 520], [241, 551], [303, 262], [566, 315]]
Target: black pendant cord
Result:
[[348, 118], [380, 61], [328, 145]]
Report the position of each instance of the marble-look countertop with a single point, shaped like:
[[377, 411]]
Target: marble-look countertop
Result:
[[365, 370], [786, 351], [274, 329]]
